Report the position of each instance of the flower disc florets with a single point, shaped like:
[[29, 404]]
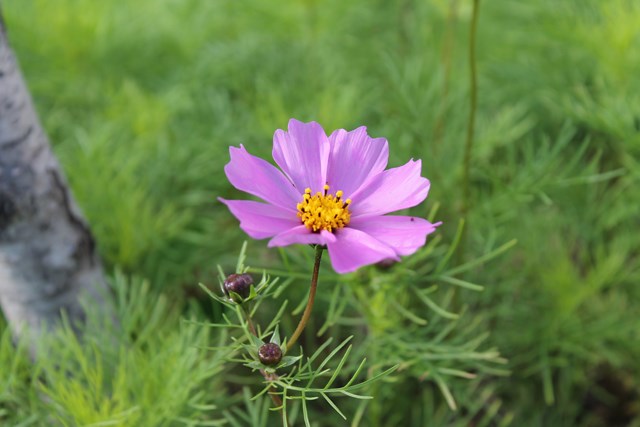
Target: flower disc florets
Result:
[[324, 211]]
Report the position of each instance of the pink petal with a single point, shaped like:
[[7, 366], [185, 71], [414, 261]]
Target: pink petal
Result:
[[301, 234], [354, 249], [354, 158], [391, 190], [405, 234], [261, 220], [260, 178], [302, 153]]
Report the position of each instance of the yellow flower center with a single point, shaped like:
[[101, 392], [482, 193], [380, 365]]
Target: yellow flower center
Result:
[[324, 211]]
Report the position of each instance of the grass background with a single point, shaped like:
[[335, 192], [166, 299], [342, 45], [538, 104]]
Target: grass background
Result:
[[141, 100]]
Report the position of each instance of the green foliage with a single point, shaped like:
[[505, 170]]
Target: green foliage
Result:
[[300, 384], [141, 100], [17, 399], [147, 369]]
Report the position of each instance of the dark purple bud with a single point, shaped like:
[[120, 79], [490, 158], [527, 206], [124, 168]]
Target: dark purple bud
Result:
[[270, 354], [239, 284], [386, 264]]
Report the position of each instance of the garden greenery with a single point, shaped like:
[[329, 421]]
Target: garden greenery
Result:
[[521, 312]]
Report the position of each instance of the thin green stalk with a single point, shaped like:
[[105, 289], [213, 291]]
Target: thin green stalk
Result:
[[247, 316], [447, 50], [468, 146], [312, 296]]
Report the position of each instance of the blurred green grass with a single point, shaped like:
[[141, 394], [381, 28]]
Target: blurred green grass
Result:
[[141, 100]]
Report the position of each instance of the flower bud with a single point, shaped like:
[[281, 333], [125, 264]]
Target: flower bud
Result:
[[239, 284], [270, 354], [386, 264]]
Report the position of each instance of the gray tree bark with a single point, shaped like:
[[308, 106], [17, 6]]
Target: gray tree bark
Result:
[[48, 258]]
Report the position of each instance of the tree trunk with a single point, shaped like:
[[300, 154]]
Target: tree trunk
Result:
[[48, 258]]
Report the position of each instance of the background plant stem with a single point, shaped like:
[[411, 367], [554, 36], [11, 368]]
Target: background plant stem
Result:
[[447, 51], [468, 146]]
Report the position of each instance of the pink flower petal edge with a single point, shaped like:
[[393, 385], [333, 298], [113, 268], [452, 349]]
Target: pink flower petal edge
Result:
[[355, 158], [261, 220], [392, 190], [405, 234], [300, 234], [302, 153], [258, 177], [354, 249]]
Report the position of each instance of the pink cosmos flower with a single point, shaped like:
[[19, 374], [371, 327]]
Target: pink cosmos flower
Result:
[[331, 191]]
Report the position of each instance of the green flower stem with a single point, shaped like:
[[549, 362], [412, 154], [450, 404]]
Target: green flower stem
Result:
[[312, 296]]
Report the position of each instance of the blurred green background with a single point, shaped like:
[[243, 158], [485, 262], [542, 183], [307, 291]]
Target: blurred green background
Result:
[[141, 100]]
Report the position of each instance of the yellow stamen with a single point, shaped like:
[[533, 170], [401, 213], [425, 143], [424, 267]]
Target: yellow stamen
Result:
[[324, 211]]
